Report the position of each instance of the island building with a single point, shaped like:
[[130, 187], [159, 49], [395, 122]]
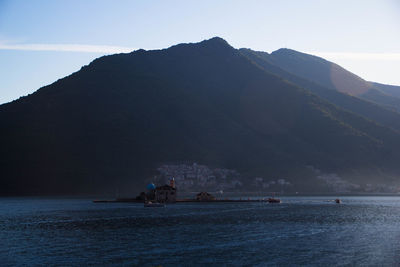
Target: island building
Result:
[[204, 196], [165, 194], [162, 194]]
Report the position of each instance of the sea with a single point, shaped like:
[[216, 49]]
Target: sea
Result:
[[301, 231]]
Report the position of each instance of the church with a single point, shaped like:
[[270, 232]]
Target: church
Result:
[[166, 193]]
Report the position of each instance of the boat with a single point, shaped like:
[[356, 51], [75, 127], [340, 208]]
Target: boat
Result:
[[153, 205], [338, 201], [274, 200]]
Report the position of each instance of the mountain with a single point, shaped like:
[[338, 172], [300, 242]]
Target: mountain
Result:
[[333, 76], [360, 106], [108, 126]]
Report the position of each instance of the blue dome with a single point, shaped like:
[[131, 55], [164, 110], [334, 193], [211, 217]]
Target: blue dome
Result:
[[151, 186]]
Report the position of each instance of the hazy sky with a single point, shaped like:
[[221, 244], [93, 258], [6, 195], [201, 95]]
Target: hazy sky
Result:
[[42, 41]]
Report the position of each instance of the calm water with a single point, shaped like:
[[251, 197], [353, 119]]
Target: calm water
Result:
[[301, 231]]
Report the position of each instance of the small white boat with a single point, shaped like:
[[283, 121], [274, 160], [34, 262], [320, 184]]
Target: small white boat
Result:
[[153, 205]]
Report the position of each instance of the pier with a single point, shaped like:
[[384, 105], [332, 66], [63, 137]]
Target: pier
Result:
[[186, 200]]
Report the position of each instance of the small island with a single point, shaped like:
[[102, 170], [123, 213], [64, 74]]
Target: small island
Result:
[[167, 194]]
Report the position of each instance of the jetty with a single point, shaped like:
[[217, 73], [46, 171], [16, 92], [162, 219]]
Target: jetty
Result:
[[186, 200]]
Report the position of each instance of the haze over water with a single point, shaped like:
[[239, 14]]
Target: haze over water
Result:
[[302, 230]]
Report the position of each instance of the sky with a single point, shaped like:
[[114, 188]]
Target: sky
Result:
[[45, 40]]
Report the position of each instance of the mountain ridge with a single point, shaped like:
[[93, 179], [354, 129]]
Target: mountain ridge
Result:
[[331, 75], [370, 110]]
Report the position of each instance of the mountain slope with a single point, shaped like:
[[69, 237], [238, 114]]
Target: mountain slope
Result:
[[331, 75], [371, 111], [388, 89], [112, 123]]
